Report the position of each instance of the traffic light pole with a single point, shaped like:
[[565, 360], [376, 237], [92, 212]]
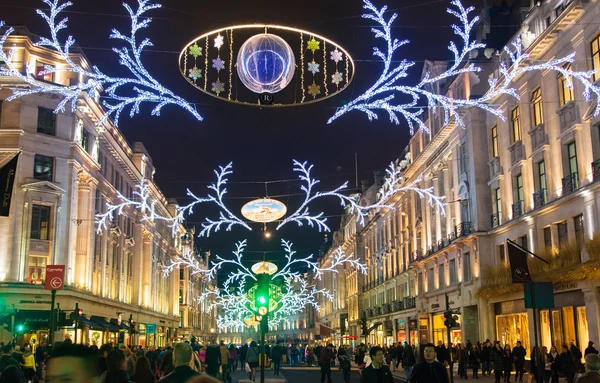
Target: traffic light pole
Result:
[[52, 320], [450, 357], [263, 357]]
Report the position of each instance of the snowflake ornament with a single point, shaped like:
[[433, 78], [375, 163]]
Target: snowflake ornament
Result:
[[314, 90], [195, 50], [218, 64], [336, 78], [313, 67], [195, 73], [218, 87], [313, 45], [336, 55], [218, 41]]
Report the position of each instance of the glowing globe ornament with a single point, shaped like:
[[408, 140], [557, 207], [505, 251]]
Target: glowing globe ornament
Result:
[[265, 63]]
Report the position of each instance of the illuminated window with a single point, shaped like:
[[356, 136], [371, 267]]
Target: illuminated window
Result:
[[565, 93], [536, 103], [41, 67], [515, 119], [596, 57], [495, 151], [40, 222]]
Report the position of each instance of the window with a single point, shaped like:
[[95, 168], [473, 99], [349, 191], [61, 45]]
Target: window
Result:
[[452, 267], [563, 234], [85, 139], [0, 112], [40, 222], [463, 158], [46, 122], [519, 195], [548, 238], [441, 276], [565, 93], [501, 254], [596, 57], [467, 276], [43, 167], [536, 103], [430, 280], [515, 123], [523, 242], [420, 283], [495, 151], [40, 67], [497, 204], [541, 167], [579, 230], [572, 152]]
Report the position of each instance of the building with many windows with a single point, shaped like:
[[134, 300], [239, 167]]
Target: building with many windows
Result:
[[68, 167]]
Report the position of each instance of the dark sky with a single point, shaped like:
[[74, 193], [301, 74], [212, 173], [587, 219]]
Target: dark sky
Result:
[[261, 143]]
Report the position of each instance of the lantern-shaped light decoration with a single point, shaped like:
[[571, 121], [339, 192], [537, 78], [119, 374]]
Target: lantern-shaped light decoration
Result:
[[265, 63]]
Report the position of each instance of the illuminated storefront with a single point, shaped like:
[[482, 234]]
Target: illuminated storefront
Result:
[[440, 332], [512, 323]]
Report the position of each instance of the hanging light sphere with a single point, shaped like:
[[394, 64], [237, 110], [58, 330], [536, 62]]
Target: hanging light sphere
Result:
[[265, 63]]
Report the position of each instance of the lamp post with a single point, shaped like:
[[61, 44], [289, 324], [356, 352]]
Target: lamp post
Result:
[[262, 305]]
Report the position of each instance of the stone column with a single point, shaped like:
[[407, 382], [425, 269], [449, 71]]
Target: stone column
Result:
[[436, 212], [427, 212], [146, 267], [447, 174], [592, 311], [590, 217], [84, 226]]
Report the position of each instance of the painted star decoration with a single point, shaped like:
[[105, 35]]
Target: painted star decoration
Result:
[[314, 90], [336, 55], [218, 64], [313, 45], [218, 41], [195, 73], [313, 67], [195, 50], [218, 87], [336, 78]]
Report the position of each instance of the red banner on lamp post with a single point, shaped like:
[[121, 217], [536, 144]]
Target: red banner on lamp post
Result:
[[55, 275]]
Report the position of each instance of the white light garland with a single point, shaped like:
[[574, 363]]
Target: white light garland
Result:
[[232, 298], [123, 93], [382, 94]]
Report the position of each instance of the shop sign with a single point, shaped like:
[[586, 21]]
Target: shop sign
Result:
[[401, 324], [412, 324], [35, 302], [565, 286], [435, 306], [150, 328], [55, 275]]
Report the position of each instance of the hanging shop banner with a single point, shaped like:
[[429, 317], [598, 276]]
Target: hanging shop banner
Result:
[[150, 328], [264, 210], [7, 181], [519, 269]]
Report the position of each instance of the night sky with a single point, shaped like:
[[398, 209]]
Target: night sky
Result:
[[261, 143]]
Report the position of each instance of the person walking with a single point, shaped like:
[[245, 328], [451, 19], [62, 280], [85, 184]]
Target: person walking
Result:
[[496, 360], [182, 355], [462, 357], [428, 371], [546, 362], [592, 366], [553, 355], [252, 360], [224, 361], [40, 357], [276, 356], [408, 360], [519, 354], [143, 373], [507, 362], [232, 358], [475, 359], [28, 363], [213, 359], [485, 358], [325, 359], [378, 371], [566, 364]]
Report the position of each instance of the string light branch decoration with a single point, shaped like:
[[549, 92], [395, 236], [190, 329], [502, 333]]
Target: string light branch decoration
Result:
[[120, 93], [385, 92], [232, 298]]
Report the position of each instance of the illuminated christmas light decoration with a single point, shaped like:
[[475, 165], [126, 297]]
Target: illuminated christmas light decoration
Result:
[[294, 292], [121, 92], [145, 204], [382, 94]]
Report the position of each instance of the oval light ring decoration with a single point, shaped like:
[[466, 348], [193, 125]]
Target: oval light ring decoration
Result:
[[264, 210], [320, 69]]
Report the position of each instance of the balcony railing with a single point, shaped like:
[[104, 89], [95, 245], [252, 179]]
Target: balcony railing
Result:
[[570, 183], [538, 137], [462, 229], [416, 255], [596, 170], [495, 167], [517, 152], [388, 308], [568, 116], [540, 198], [496, 220], [518, 209]]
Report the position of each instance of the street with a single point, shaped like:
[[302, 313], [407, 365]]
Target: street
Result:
[[304, 375]]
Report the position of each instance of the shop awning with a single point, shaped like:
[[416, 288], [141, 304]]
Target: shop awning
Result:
[[122, 326], [107, 325], [325, 331], [33, 316], [88, 323]]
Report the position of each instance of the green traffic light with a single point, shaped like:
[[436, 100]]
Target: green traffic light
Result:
[[20, 328], [262, 300]]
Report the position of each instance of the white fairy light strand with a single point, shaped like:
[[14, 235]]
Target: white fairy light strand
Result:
[[382, 94], [124, 92], [233, 300]]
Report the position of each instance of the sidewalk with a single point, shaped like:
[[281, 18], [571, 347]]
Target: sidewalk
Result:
[[487, 378]]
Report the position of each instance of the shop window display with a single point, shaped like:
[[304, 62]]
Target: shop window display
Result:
[[513, 327]]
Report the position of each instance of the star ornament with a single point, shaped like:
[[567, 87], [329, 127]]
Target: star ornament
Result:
[[314, 90], [195, 73], [218, 41], [336, 55], [336, 78], [313, 67], [218, 64], [313, 45], [195, 50]]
